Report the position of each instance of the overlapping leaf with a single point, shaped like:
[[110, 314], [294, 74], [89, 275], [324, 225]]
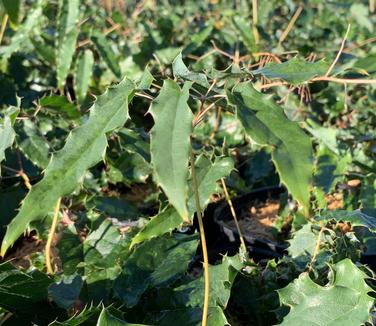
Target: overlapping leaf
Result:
[[266, 124], [85, 146]]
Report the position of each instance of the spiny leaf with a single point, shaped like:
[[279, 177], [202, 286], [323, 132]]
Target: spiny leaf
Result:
[[31, 25], [67, 35], [169, 143], [266, 124], [295, 71], [207, 174], [344, 301], [303, 243], [154, 263], [32, 144], [107, 319], [106, 53], [85, 146], [164, 222], [83, 73], [183, 304], [356, 218], [181, 70], [7, 135]]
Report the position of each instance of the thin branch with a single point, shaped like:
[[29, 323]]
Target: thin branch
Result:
[[368, 41], [50, 269], [233, 213], [151, 98], [255, 22], [106, 31], [328, 79], [203, 239], [339, 52], [317, 248], [291, 24], [3, 26]]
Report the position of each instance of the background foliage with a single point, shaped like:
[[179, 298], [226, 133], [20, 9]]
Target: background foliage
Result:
[[101, 104]]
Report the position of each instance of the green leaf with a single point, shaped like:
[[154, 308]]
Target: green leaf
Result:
[[243, 27], [85, 146], [266, 124], [183, 304], [84, 70], [170, 143], [12, 8], [303, 243], [45, 51], [295, 71], [29, 26], [107, 319], [164, 222], [154, 263], [356, 218], [207, 175], [344, 301], [66, 291], [7, 135], [181, 70], [67, 34], [129, 168], [22, 292], [60, 105], [115, 207], [32, 144], [107, 54], [105, 249]]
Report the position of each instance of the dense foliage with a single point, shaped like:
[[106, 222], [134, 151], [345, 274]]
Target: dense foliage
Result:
[[127, 128]]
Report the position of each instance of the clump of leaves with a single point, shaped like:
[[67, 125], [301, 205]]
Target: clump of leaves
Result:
[[207, 104]]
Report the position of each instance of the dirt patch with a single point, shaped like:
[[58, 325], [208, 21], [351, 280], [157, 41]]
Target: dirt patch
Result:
[[257, 220]]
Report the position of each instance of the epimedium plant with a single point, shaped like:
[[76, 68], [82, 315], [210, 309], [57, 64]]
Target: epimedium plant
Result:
[[115, 263]]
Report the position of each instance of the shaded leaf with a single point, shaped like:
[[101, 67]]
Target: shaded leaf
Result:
[[66, 291], [29, 26], [266, 124], [154, 263], [12, 7], [107, 54], [33, 145]]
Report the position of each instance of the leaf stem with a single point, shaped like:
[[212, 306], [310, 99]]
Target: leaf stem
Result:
[[291, 24], [317, 247], [50, 236], [203, 239], [255, 22], [3, 26], [339, 52], [233, 213]]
